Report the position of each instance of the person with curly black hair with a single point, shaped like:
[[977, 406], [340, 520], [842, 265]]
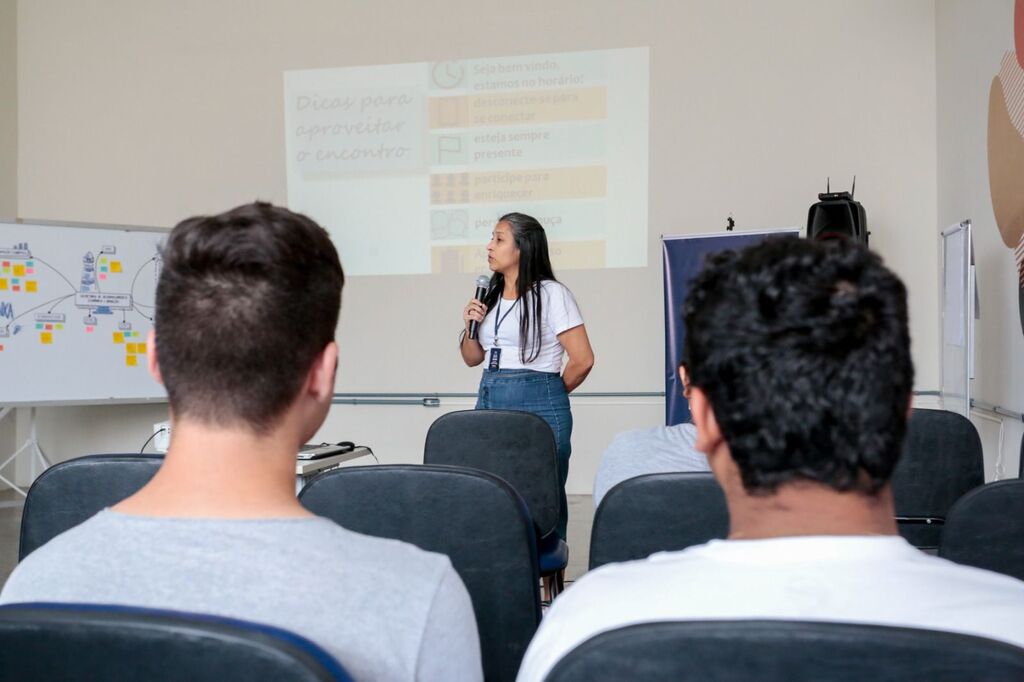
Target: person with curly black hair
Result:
[[799, 379]]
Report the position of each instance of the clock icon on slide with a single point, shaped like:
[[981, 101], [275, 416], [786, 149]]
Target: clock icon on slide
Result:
[[447, 75]]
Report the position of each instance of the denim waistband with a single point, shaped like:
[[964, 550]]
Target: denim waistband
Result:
[[518, 374]]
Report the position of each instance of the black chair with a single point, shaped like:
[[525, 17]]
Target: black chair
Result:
[[57, 642], [786, 651], [520, 448], [941, 461], [475, 518], [1020, 458], [657, 513], [71, 492], [985, 528]]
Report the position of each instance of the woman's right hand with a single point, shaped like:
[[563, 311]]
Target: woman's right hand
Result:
[[474, 310]]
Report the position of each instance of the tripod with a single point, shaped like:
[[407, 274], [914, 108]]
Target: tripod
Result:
[[30, 446]]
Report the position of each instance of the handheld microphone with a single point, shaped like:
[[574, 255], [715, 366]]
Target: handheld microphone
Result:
[[483, 282]]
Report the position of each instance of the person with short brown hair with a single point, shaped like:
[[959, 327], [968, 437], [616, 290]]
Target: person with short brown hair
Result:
[[246, 309]]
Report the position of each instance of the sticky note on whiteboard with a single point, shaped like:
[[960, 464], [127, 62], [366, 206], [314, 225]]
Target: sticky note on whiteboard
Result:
[[115, 266], [46, 338], [132, 350], [118, 337], [131, 360]]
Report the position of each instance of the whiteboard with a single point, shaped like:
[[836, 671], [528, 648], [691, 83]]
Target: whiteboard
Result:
[[76, 305], [958, 292]]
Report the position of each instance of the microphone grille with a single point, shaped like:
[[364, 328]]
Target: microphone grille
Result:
[[483, 281]]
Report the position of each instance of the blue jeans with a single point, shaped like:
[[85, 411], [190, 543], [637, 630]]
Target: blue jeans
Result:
[[543, 394]]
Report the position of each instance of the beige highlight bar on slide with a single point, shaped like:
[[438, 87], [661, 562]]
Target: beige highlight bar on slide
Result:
[[519, 107], [486, 187], [473, 257]]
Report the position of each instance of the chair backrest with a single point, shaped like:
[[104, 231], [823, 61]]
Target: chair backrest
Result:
[[516, 446], [657, 513], [786, 651], [71, 492], [1020, 459], [475, 518], [941, 461], [56, 642], [985, 528]]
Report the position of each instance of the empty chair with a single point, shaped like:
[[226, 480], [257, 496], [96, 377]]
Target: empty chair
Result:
[[71, 492], [657, 513], [57, 642], [941, 461], [475, 518], [520, 448], [985, 528], [786, 651]]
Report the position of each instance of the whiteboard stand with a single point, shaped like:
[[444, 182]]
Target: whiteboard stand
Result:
[[30, 446]]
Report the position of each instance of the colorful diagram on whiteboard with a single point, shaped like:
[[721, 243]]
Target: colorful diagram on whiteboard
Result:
[[103, 292], [76, 306]]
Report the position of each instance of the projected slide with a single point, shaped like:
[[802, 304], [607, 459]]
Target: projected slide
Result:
[[410, 165]]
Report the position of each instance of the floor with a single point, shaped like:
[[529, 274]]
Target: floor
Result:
[[10, 525], [581, 517]]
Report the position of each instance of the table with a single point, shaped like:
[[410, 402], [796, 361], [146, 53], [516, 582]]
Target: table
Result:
[[306, 469]]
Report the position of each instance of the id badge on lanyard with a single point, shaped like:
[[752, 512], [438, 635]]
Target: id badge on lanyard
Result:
[[494, 359]]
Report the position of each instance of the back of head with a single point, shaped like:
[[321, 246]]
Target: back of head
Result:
[[803, 352], [246, 301]]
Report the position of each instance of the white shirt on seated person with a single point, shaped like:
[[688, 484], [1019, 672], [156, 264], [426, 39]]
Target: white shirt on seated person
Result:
[[862, 579]]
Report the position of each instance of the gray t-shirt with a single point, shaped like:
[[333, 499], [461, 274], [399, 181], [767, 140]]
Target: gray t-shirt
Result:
[[385, 609], [661, 450]]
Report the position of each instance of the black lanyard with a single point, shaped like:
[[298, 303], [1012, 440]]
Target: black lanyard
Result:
[[497, 321]]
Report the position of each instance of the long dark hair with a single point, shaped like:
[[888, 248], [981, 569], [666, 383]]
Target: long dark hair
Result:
[[534, 268]]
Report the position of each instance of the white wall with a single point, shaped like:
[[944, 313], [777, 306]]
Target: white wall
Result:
[[146, 111], [8, 145], [8, 108], [971, 38]]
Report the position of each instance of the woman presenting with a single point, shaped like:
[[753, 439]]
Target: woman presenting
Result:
[[527, 320]]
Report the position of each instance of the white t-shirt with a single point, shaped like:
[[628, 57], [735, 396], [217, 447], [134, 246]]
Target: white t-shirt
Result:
[[859, 579], [559, 313]]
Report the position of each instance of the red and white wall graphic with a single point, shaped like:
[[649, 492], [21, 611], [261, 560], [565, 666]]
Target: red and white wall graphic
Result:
[[1006, 148]]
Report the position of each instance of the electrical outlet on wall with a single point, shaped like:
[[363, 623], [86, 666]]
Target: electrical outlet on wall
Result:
[[162, 437]]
